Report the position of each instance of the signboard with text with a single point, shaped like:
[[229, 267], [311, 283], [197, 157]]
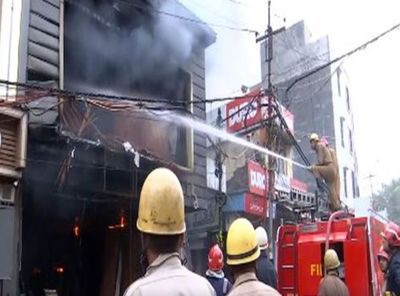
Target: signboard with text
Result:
[[257, 179], [256, 205], [243, 112], [250, 110]]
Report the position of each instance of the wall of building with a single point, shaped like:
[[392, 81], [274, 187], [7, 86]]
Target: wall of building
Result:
[[344, 135]]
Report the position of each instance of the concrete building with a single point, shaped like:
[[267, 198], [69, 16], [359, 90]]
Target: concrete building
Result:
[[73, 183], [321, 102]]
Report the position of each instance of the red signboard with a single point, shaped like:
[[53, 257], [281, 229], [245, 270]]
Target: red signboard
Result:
[[256, 205], [249, 114], [298, 185], [257, 179]]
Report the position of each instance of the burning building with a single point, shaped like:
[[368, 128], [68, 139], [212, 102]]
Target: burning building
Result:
[[91, 145]]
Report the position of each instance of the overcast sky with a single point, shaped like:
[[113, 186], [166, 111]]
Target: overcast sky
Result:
[[234, 60]]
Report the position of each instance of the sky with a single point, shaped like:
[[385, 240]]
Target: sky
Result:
[[234, 60]]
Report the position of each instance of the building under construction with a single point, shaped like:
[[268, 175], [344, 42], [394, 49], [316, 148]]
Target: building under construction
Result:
[[76, 161]]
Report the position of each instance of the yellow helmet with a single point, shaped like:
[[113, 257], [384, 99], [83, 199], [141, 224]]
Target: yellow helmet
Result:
[[331, 260], [241, 243], [314, 137], [161, 204]]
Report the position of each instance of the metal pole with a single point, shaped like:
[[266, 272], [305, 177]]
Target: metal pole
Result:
[[271, 174], [219, 173]]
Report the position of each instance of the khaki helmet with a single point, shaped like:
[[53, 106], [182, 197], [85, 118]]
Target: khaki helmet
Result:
[[241, 243], [314, 137], [161, 204], [331, 260]]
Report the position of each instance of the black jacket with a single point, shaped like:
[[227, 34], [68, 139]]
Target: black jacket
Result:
[[265, 270], [393, 276]]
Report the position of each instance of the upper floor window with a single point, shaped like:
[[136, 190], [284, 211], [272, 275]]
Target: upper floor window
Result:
[[351, 141], [353, 183], [345, 181], [348, 98], [342, 130], [338, 74]]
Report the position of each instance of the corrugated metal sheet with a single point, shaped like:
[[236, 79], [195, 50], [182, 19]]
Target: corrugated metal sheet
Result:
[[43, 46]]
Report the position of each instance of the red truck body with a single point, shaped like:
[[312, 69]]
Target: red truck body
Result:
[[300, 251]]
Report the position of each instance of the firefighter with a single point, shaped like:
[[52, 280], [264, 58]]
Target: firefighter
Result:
[[161, 222], [332, 151], [383, 259], [391, 244], [214, 274], [242, 254], [325, 169], [331, 284], [265, 269]]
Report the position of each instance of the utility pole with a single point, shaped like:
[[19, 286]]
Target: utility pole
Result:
[[219, 175], [370, 177], [269, 92]]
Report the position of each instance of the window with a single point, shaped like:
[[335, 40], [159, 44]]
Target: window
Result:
[[338, 73], [350, 141], [353, 182], [345, 181], [342, 130], [348, 98]]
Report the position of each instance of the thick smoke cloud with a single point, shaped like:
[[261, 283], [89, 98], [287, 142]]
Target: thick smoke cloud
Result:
[[116, 47]]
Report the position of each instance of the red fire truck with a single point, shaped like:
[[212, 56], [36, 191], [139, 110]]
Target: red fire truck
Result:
[[300, 252]]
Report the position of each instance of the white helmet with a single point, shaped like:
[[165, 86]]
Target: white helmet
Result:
[[262, 238]]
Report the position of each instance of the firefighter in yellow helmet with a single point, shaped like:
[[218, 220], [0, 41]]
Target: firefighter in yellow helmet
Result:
[[326, 169], [331, 284], [242, 254], [161, 221]]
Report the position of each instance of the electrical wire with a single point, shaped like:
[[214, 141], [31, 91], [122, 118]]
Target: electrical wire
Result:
[[289, 101], [192, 20], [347, 54], [140, 101], [215, 13]]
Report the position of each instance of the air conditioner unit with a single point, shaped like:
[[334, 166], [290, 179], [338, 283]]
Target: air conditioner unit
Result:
[[7, 192]]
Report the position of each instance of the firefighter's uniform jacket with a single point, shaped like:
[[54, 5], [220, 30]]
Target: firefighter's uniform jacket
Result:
[[247, 284], [327, 169], [393, 274], [332, 285], [167, 276]]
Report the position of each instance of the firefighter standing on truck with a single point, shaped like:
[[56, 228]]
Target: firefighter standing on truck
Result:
[[265, 269], [242, 254], [391, 244], [332, 151], [161, 221], [214, 274], [325, 169], [331, 284]]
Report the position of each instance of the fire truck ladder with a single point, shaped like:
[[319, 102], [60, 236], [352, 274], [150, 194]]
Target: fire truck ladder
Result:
[[289, 278]]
